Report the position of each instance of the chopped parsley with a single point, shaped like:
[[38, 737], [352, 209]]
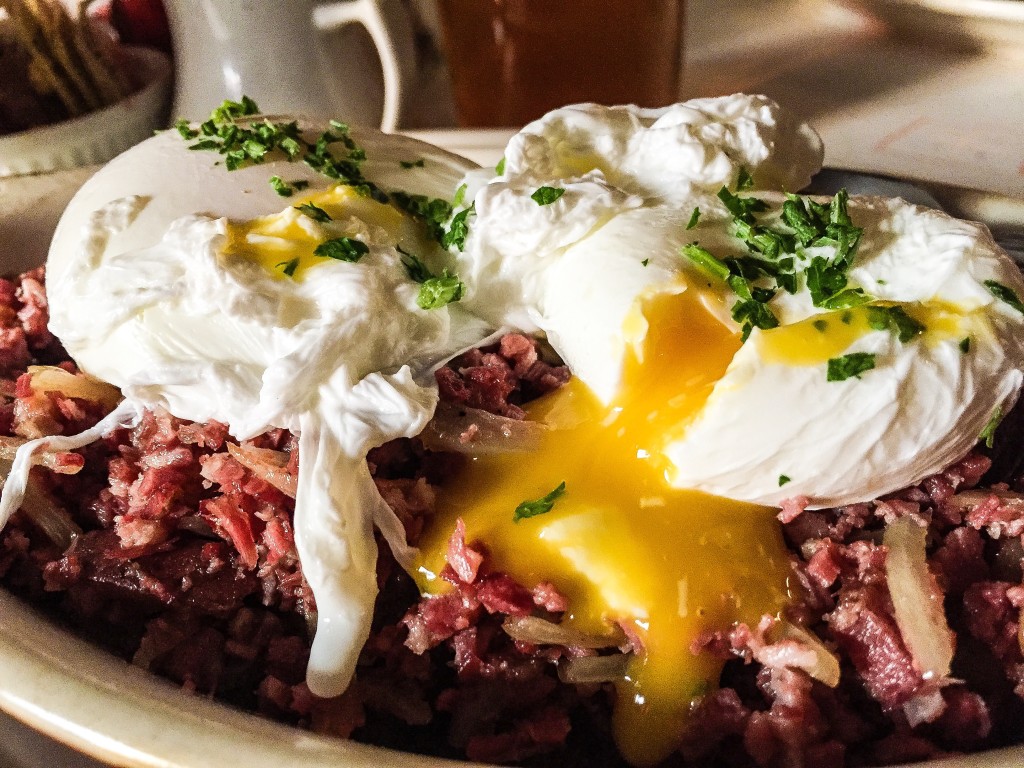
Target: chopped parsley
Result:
[[539, 506], [437, 292], [412, 163], [289, 266], [460, 196], [645, 262], [1006, 294], [499, 169], [342, 249], [965, 344], [458, 229], [708, 263], [287, 188], [895, 319], [783, 479], [988, 434], [820, 325], [314, 212], [743, 179], [850, 366], [433, 211], [694, 218], [547, 195]]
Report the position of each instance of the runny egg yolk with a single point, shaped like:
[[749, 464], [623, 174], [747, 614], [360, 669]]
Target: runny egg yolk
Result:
[[285, 243], [620, 544]]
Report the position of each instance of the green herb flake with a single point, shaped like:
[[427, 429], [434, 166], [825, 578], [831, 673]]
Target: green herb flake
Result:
[[1006, 294], [539, 506], [460, 196], [965, 344], [704, 260], [820, 325], [850, 366], [412, 163], [414, 266], [289, 266], [645, 262], [437, 292], [282, 187], [185, 129], [316, 213], [694, 218], [744, 180], [458, 230], [988, 434], [499, 169], [342, 249], [783, 479], [547, 195], [896, 319]]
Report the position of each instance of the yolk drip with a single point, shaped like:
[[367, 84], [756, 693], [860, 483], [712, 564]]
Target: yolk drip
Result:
[[820, 337], [284, 243], [623, 546]]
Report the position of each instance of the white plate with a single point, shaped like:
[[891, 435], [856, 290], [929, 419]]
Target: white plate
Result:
[[93, 702]]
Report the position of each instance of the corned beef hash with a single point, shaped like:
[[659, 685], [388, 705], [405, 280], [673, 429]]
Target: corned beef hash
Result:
[[620, 453]]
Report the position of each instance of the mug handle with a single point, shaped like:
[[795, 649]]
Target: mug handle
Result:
[[391, 31]]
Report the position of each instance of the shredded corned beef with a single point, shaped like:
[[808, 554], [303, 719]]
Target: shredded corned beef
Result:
[[185, 563]]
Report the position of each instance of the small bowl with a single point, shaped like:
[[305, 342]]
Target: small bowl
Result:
[[100, 135]]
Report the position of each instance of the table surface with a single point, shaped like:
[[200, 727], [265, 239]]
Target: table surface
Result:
[[941, 106]]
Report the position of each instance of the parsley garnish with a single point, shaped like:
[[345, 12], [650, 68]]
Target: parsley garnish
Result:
[[783, 479], [851, 365], [896, 319], [460, 196], [988, 434], [342, 249], [1006, 294], [185, 129], [708, 263], [458, 229], [539, 506], [437, 292], [500, 167], [287, 188], [433, 211], [645, 262], [694, 218], [314, 212], [547, 195], [743, 179], [289, 266], [412, 163], [965, 344]]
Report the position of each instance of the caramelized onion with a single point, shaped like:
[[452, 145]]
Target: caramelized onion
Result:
[[917, 602], [49, 378], [594, 669], [538, 631], [966, 500], [268, 465], [55, 461], [471, 430], [825, 667]]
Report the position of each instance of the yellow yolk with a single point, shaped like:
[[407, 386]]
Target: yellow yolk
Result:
[[284, 243], [820, 337], [620, 544]]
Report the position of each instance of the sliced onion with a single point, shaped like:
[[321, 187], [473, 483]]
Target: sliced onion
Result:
[[825, 667], [966, 500], [43, 457], [471, 430], [268, 465], [917, 602], [594, 669], [54, 521], [538, 631], [49, 378]]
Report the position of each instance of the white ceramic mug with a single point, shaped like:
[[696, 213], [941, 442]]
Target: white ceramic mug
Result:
[[293, 56]]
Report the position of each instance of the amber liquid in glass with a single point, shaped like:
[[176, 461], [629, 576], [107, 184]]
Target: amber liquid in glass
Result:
[[513, 60]]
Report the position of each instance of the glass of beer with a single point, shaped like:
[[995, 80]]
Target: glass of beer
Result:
[[513, 60]]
